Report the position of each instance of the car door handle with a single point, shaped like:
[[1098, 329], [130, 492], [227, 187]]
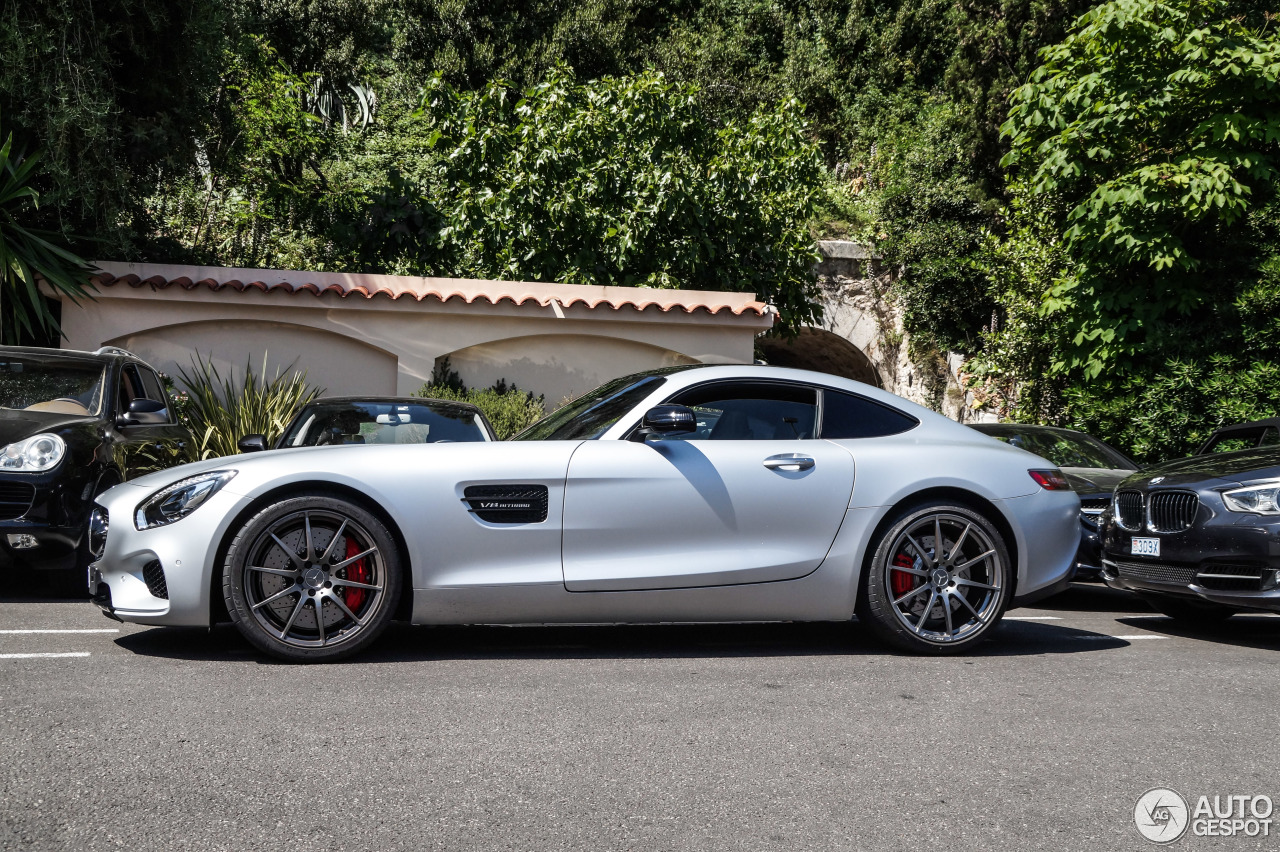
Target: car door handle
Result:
[[789, 461]]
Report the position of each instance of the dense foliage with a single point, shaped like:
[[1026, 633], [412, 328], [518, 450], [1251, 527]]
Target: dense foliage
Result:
[[1153, 129], [1117, 273], [1137, 281]]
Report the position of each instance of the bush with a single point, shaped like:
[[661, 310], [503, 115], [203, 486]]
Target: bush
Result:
[[509, 409], [220, 411]]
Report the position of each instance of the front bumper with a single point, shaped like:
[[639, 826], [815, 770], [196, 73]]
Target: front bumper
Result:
[[1231, 559], [162, 575], [45, 522]]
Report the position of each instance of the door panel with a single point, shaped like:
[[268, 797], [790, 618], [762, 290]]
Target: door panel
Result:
[[679, 514]]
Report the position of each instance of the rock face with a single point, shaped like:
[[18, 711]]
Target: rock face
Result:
[[861, 335]]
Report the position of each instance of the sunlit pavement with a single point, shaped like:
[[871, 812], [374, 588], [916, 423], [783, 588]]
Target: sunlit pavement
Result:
[[700, 737]]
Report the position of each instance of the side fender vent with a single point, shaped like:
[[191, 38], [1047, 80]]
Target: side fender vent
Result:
[[507, 504]]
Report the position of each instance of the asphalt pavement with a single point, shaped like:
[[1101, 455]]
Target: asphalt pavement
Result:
[[706, 737]]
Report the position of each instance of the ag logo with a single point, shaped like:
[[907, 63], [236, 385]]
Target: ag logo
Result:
[[1157, 480], [1161, 815]]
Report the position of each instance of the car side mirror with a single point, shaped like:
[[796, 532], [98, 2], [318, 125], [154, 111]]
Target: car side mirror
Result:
[[667, 420], [252, 443], [144, 412]]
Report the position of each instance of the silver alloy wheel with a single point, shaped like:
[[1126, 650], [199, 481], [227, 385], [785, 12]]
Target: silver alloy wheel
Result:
[[314, 579], [950, 578]]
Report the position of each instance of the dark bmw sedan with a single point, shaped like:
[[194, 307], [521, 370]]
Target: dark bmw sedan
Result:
[[1092, 469], [1199, 537]]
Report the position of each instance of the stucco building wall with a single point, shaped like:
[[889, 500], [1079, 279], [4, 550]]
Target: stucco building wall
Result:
[[385, 334]]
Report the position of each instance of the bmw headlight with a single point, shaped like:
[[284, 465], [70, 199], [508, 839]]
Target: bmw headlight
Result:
[[1257, 499], [34, 454], [175, 502]]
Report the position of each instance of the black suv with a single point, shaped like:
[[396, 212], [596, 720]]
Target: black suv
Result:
[[67, 421]]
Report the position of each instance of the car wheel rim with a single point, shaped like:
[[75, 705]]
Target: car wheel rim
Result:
[[314, 579], [945, 578]]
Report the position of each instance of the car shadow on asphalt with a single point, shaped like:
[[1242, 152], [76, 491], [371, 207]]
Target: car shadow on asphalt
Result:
[[1093, 597], [407, 643], [1245, 630]]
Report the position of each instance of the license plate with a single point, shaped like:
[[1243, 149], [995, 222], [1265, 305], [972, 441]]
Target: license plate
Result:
[[1146, 547]]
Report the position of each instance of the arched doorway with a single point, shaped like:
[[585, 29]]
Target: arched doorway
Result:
[[815, 349]]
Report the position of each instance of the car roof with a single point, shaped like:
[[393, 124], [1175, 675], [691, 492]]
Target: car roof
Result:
[[1252, 424], [105, 354]]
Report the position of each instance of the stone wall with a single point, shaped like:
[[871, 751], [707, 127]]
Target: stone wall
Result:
[[858, 306]]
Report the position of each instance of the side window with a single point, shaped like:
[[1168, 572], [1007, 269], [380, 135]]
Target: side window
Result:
[[151, 385], [1270, 438], [130, 387], [750, 411], [846, 415], [153, 388]]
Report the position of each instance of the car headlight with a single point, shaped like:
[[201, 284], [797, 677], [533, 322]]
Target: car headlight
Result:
[[34, 454], [176, 501], [1257, 499]]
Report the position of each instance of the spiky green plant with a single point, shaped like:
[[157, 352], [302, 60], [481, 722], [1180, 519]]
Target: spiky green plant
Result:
[[29, 256], [222, 410]]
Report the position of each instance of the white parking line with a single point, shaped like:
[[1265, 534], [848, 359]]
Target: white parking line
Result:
[[1032, 618], [34, 656], [1102, 637], [105, 630]]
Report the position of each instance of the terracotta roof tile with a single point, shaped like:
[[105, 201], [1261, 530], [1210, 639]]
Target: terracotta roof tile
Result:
[[394, 287]]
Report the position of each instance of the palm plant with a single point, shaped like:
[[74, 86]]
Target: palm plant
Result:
[[29, 256], [221, 410]]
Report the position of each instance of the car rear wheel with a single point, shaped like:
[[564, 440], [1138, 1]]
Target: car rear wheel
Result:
[[937, 581], [1189, 611], [312, 579]]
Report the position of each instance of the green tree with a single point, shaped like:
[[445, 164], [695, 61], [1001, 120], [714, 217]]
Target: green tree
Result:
[[1153, 130], [30, 256], [115, 93], [624, 182]]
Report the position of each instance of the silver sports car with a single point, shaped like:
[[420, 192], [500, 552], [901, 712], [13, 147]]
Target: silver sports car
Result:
[[710, 493]]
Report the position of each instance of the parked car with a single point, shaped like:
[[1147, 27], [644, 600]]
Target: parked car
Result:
[[615, 508], [1197, 536], [66, 419], [378, 420], [1092, 467], [1243, 436]]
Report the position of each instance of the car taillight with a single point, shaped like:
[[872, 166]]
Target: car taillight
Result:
[[1050, 480]]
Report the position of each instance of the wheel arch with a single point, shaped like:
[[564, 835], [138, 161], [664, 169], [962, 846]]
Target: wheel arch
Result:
[[974, 501], [217, 604]]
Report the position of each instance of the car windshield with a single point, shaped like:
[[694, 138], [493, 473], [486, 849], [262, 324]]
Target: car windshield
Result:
[[590, 415], [51, 384], [1232, 440], [382, 422], [1065, 449]]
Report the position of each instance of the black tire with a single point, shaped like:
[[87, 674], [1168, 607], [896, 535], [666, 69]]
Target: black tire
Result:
[[1189, 611], [293, 595], [907, 603]]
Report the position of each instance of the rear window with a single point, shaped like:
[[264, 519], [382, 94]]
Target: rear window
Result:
[[846, 415]]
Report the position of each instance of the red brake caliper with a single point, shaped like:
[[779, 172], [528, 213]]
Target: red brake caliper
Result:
[[357, 572], [900, 581]]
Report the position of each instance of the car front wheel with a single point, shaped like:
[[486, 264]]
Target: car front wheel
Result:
[[938, 579], [312, 579]]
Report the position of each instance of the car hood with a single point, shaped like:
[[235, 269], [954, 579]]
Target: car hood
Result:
[[1091, 480], [16, 425], [1241, 466], [293, 458]]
